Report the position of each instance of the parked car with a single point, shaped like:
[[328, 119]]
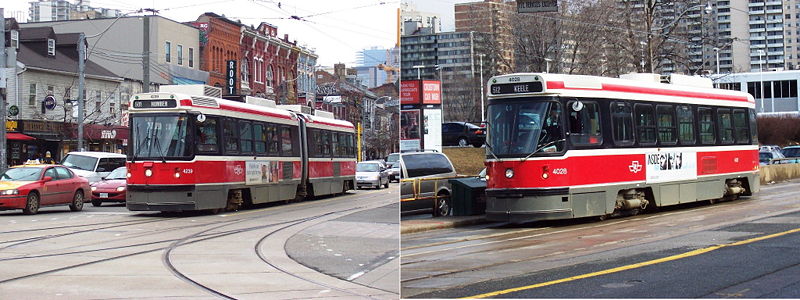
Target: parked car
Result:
[[791, 151], [394, 173], [29, 187], [769, 148], [93, 165], [462, 134], [768, 157], [371, 174], [110, 188], [425, 186]]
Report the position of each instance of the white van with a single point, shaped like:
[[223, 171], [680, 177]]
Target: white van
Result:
[[93, 165]]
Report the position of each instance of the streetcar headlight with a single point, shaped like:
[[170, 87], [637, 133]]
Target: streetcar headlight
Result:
[[545, 172], [9, 192], [509, 173], [177, 174], [94, 188], [120, 188], [148, 172], [128, 175]]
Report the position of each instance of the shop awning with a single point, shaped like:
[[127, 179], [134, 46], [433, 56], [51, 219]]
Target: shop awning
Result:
[[19, 136]]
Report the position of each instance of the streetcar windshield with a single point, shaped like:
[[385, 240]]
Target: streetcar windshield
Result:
[[524, 128], [157, 137]]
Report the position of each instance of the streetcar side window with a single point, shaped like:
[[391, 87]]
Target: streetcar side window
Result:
[[259, 138], [584, 125], [351, 148], [666, 125], [230, 135], [207, 138], [725, 126], [622, 123], [707, 132], [685, 125], [246, 137], [645, 124], [335, 144], [753, 127], [272, 140], [316, 138], [740, 132], [286, 141], [326, 143], [343, 150]]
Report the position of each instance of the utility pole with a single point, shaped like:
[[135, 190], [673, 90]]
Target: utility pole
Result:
[[81, 86], [3, 89]]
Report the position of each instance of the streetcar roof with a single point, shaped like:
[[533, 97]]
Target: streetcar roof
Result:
[[185, 101], [606, 87], [328, 121]]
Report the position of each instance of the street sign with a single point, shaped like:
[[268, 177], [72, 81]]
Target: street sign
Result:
[[535, 6], [49, 102], [230, 77], [13, 110]]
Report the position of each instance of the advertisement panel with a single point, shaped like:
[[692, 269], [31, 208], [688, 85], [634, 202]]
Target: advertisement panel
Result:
[[431, 92], [261, 172], [432, 134], [409, 92], [665, 166], [410, 129]]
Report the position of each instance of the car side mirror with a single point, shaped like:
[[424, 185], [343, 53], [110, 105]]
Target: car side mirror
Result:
[[47, 178]]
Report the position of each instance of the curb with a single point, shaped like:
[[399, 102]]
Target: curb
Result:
[[414, 226]]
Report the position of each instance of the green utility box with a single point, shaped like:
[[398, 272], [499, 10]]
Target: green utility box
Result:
[[469, 196]]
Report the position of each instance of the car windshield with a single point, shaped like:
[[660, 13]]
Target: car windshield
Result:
[[159, 136], [21, 174], [392, 158], [791, 152], [764, 156], [522, 128], [367, 167], [81, 162], [118, 173]]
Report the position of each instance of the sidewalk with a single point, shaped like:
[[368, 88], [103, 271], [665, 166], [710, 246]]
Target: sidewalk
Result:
[[420, 225]]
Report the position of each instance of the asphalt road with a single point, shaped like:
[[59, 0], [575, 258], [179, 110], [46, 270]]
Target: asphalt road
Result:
[[675, 253], [260, 253]]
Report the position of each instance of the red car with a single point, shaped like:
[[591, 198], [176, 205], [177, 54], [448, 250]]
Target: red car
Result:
[[111, 188], [29, 187]]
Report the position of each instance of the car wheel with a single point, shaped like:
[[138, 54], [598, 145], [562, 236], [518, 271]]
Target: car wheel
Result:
[[77, 202], [97, 203], [462, 142], [442, 208], [387, 183], [32, 205], [477, 145]]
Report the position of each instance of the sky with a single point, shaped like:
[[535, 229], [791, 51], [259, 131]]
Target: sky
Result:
[[337, 29]]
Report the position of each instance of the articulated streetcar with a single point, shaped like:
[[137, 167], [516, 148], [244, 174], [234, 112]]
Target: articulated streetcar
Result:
[[569, 146], [190, 152]]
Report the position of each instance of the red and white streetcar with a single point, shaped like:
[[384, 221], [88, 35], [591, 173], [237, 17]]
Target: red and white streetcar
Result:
[[570, 146], [190, 152]]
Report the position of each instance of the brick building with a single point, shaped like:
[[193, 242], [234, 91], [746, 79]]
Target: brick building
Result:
[[221, 44]]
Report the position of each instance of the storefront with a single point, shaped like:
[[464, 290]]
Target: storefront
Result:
[[111, 138], [32, 139]]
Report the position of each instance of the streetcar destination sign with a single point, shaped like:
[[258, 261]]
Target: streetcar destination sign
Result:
[[516, 88], [161, 103]]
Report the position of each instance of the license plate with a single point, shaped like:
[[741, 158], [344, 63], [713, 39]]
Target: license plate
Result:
[[103, 195]]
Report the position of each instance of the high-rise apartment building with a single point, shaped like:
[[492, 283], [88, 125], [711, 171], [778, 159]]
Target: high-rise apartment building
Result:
[[418, 22], [492, 17], [62, 10]]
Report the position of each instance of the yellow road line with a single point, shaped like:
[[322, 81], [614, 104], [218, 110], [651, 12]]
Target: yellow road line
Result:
[[632, 266]]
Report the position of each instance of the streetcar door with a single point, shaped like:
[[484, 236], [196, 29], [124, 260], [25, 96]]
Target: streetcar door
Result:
[[303, 152]]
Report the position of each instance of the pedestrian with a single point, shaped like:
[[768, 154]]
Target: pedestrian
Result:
[[48, 159]]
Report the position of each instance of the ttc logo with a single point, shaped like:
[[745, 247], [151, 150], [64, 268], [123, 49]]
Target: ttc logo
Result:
[[238, 170], [635, 167]]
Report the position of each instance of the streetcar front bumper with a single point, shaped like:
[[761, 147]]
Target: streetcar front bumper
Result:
[[162, 198], [527, 205]]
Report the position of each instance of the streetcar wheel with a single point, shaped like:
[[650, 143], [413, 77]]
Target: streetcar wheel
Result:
[[462, 142], [96, 202], [77, 202], [442, 208], [32, 204]]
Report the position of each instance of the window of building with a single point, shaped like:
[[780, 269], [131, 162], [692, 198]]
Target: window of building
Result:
[[167, 49], [51, 47], [645, 123], [245, 75], [32, 94], [584, 125], [622, 123], [111, 107], [707, 132], [97, 106], [269, 75], [191, 57], [180, 54]]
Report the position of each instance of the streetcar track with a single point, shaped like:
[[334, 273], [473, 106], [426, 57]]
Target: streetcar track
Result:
[[260, 255], [51, 236]]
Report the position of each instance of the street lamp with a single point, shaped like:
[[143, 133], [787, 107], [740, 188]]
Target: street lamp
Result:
[[419, 71], [482, 83], [716, 51], [761, 77], [547, 65]]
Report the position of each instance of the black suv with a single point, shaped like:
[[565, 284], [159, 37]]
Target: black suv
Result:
[[425, 186], [462, 134]]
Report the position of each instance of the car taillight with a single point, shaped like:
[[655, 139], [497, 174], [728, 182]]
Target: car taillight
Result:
[[478, 131]]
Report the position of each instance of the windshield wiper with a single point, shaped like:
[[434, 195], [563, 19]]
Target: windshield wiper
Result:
[[158, 144], [542, 147], [139, 147], [491, 150]]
